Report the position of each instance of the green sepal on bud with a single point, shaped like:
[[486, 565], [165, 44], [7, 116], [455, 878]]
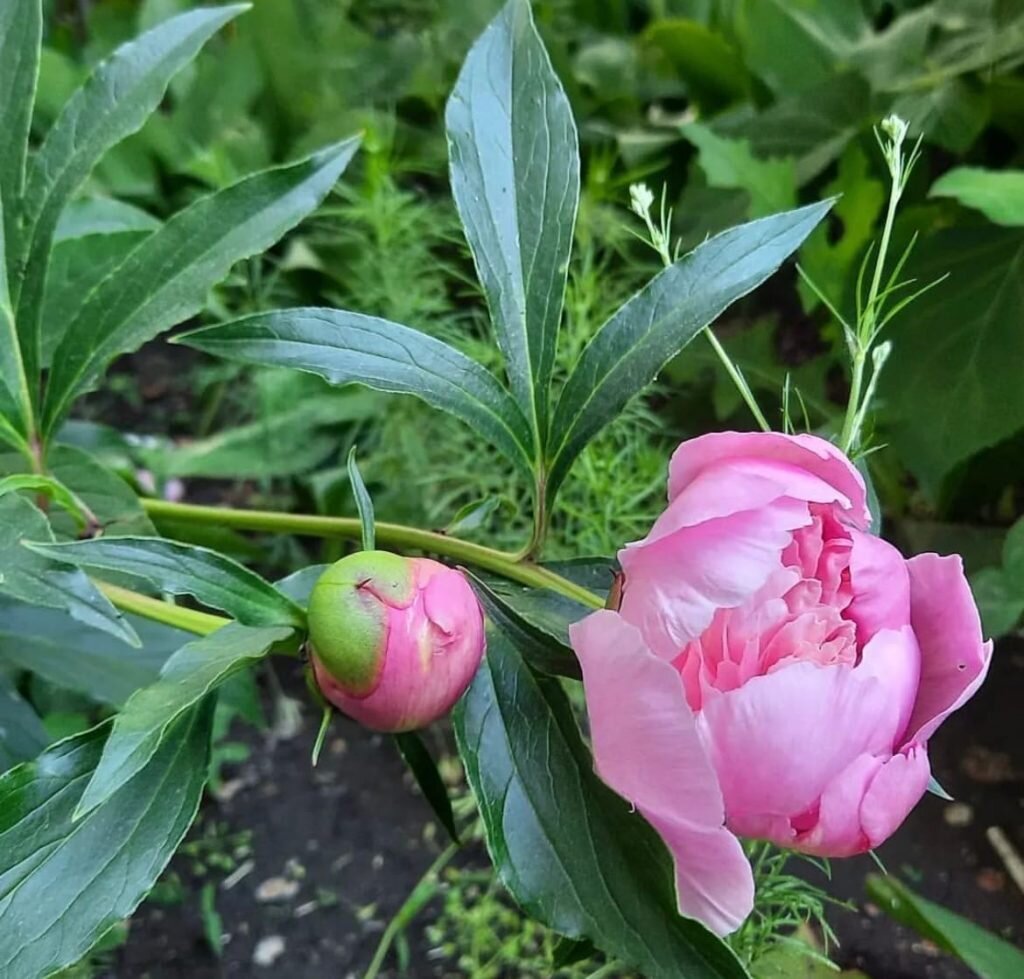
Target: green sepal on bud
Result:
[[348, 616]]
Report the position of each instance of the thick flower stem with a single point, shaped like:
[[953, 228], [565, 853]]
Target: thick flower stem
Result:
[[191, 620], [388, 534]]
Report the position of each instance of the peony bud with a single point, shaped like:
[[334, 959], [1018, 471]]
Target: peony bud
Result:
[[395, 641]]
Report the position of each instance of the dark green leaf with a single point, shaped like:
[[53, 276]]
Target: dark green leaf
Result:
[[55, 646], [65, 882], [515, 177], [183, 569], [91, 216], [111, 105], [148, 718], [30, 578], [986, 954], [350, 348], [111, 500], [428, 778], [536, 620], [363, 502], [15, 393], [1000, 599], [629, 350], [952, 385], [567, 848], [166, 278], [77, 266], [473, 515], [22, 735], [568, 951], [951, 115], [813, 127], [21, 31]]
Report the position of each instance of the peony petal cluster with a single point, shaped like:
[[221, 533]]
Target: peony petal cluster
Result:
[[775, 670], [395, 641]]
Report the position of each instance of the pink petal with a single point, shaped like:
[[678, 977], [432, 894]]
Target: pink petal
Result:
[[892, 656], [674, 585], [893, 792], [780, 739], [647, 749], [881, 586], [838, 831], [802, 452], [954, 659]]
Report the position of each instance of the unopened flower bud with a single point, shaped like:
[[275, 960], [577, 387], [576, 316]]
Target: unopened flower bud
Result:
[[395, 641]]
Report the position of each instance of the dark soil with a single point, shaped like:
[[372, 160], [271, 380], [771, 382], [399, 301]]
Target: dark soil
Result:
[[343, 845]]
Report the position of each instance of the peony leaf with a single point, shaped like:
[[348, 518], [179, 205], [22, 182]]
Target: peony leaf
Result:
[[567, 847], [64, 883], [516, 182], [638, 340], [350, 348], [165, 279]]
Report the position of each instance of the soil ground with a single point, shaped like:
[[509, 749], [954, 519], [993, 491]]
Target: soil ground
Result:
[[336, 850]]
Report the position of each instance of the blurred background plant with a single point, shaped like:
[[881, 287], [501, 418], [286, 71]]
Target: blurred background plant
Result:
[[732, 109]]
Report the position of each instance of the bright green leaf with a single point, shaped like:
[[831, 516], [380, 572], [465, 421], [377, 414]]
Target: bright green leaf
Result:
[[710, 66], [830, 260], [166, 278], [729, 163], [182, 569], [515, 177], [567, 848], [51, 488], [65, 883], [148, 718], [90, 216], [986, 954], [643, 335], [998, 194], [347, 348]]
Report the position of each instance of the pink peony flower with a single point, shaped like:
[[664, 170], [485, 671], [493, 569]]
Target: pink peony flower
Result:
[[775, 670], [394, 641]]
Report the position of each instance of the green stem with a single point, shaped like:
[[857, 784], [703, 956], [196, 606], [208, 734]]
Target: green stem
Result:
[[737, 378], [413, 904], [191, 620], [850, 434], [388, 534]]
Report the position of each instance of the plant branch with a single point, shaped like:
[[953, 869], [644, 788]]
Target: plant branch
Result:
[[388, 534], [191, 620]]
